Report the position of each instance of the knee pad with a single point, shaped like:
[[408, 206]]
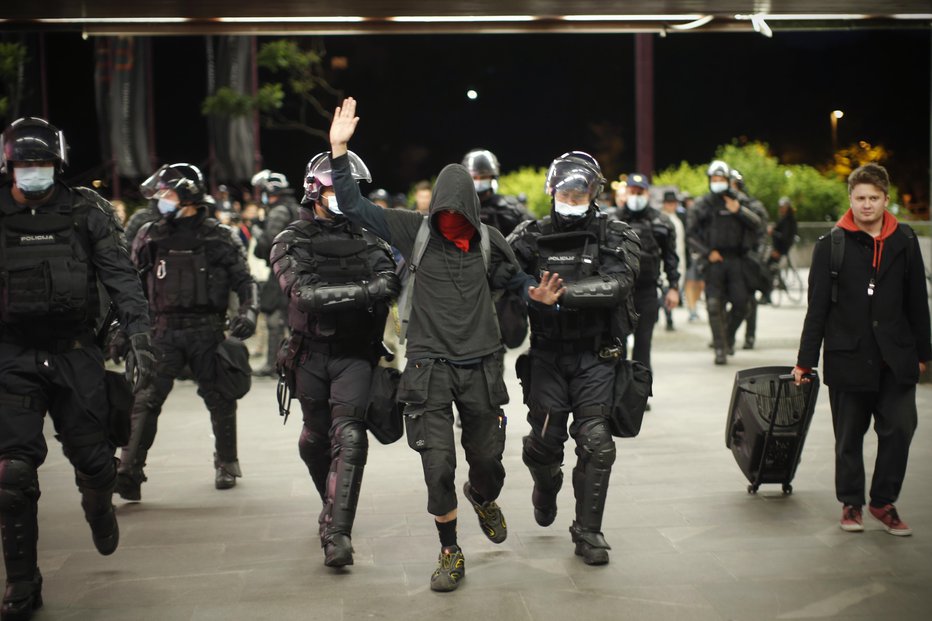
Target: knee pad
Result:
[[19, 485], [537, 454], [594, 444], [350, 439], [313, 445]]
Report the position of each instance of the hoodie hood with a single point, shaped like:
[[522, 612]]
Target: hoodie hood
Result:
[[889, 224], [454, 191]]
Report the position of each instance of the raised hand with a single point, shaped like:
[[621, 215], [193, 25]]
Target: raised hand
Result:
[[343, 127], [549, 290]]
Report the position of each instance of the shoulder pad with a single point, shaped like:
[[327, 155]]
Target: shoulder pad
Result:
[[523, 227], [374, 240], [288, 237], [619, 227], [146, 229]]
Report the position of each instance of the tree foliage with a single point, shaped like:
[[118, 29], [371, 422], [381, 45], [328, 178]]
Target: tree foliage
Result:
[[815, 195], [528, 181], [298, 97], [13, 57]]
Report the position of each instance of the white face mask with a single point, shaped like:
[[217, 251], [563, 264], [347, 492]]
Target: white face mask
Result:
[[570, 211], [637, 202], [34, 179], [167, 206], [482, 185], [718, 187], [333, 206]]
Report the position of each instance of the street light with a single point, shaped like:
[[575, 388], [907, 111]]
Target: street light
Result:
[[833, 118]]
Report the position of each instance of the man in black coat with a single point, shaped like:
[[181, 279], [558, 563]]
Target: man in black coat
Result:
[[874, 318]]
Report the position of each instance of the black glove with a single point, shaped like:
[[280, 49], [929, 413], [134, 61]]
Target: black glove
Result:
[[383, 286], [142, 363], [244, 324], [118, 347]]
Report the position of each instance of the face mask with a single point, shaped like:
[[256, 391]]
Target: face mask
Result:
[[333, 206], [637, 203], [482, 185], [718, 187], [570, 211], [34, 180], [264, 198], [167, 206]]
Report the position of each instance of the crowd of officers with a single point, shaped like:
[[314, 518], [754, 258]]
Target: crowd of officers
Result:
[[75, 290]]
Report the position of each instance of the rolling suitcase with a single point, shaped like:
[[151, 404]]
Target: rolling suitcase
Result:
[[768, 419]]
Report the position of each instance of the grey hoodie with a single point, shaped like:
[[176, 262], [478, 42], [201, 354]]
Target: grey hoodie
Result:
[[452, 316]]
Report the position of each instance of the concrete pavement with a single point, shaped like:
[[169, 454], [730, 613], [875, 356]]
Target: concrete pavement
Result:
[[688, 541]]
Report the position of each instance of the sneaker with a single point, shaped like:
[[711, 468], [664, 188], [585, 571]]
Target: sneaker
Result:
[[851, 520], [891, 520], [491, 520], [693, 316], [451, 568]]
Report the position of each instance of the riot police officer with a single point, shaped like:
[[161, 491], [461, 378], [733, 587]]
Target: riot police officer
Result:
[[717, 230], [756, 244], [502, 212], [658, 250], [57, 243], [189, 263], [575, 343], [281, 209], [339, 280]]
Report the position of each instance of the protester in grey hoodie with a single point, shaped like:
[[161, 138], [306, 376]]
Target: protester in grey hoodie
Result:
[[454, 347]]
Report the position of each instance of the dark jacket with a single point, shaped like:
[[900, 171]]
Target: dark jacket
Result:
[[658, 245], [452, 315], [712, 227], [784, 233], [281, 214], [862, 332], [108, 261], [502, 212]]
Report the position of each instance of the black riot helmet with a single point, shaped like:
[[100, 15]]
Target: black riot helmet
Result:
[[319, 175], [482, 163], [31, 139], [575, 170], [380, 194], [184, 179]]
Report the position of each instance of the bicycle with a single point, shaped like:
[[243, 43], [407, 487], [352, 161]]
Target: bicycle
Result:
[[786, 282]]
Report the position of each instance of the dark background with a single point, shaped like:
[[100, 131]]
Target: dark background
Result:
[[543, 94]]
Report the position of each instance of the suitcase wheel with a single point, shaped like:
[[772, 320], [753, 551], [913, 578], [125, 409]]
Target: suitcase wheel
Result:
[[787, 489], [752, 489]]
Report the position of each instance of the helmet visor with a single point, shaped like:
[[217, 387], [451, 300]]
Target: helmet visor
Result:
[[572, 177]]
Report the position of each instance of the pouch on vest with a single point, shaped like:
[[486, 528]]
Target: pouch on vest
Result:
[[383, 413], [633, 381], [41, 274], [178, 282], [234, 376]]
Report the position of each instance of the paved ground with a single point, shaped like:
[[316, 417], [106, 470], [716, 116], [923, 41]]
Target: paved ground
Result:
[[688, 541]]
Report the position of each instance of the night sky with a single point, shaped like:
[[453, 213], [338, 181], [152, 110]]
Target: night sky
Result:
[[541, 95]]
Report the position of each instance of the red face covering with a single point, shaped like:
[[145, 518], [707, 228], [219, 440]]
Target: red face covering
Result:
[[455, 227]]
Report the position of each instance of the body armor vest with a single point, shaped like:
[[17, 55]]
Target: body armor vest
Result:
[[337, 261], [182, 279], [648, 228], [574, 256], [45, 269]]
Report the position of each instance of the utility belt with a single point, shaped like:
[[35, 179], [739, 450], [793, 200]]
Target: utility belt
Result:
[[50, 345], [182, 322], [336, 348], [577, 346]]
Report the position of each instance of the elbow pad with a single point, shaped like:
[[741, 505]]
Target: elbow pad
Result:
[[593, 292], [385, 286], [329, 298]]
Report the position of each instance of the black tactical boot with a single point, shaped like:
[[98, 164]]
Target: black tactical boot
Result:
[[97, 502], [129, 485], [748, 342], [720, 357], [227, 472], [21, 598], [591, 546]]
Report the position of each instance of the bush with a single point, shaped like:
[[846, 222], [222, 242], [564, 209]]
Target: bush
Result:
[[529, 182]]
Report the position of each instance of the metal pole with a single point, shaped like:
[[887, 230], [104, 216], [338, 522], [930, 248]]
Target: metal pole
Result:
[[644, 101]]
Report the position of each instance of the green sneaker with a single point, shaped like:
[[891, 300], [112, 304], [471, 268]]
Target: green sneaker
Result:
[[491, 520], [451, 568]]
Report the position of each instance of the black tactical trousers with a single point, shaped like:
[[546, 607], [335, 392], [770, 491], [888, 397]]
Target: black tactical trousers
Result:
[[893, 409], [647, 305], [70, 386], [196, 347], [333, 391], [430, 387], [584, 385], [725, 284]]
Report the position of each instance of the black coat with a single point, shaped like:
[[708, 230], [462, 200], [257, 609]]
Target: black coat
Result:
[[861, 332]]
